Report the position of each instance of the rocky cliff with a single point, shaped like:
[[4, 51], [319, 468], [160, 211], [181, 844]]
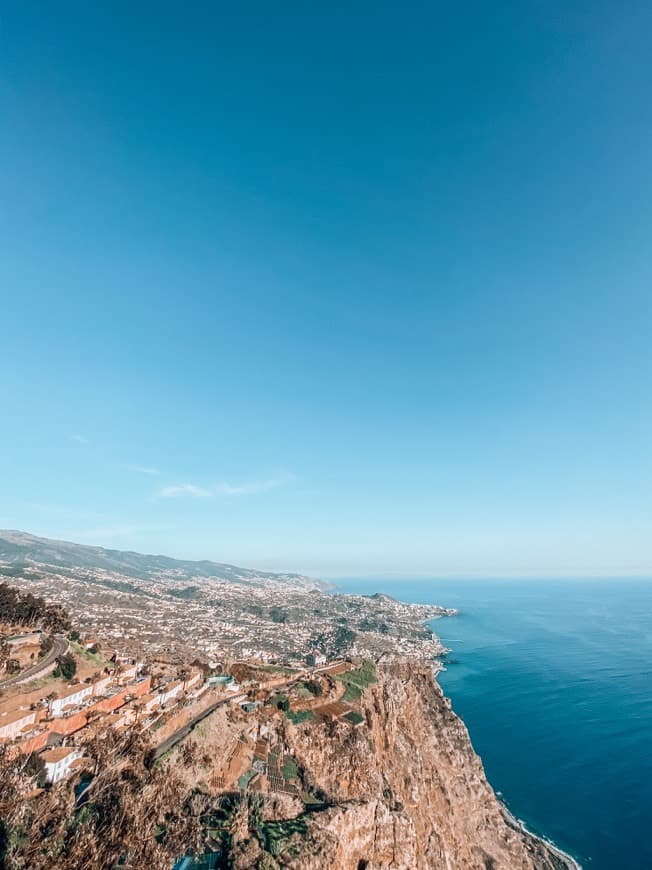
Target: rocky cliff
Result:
[[403, 790], [393, 785]]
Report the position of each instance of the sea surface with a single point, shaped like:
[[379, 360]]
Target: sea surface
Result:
[[554, 682]]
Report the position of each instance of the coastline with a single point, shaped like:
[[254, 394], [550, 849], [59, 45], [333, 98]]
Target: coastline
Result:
[[565, 860], [518, 825], [568, 860]]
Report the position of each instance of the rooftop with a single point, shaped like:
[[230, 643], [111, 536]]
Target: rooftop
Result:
[[58, 754], [73, 690], [16, 716]]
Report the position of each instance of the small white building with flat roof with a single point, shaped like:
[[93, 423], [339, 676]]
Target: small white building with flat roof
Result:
[[58, 762]]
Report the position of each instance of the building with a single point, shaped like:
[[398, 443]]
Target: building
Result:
[[11, 724], [315, 659], [119, 697], [100, 686], [250, 706], [73, 697], [66, 725], [36, 743], [128, 672], [150, 702], [193, 680], [170, 692], [58, 762]]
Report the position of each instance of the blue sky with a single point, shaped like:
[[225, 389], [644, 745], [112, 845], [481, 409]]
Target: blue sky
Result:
[[350, 289]]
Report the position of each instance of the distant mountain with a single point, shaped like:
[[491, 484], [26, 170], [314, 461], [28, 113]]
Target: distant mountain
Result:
[[19, 550]]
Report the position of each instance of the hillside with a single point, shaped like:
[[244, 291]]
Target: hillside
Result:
[[20, 550]]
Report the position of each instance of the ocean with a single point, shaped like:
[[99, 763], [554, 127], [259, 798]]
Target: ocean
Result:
[[554, 682]]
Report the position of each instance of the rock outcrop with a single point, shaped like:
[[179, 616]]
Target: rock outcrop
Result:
[[406, 791]]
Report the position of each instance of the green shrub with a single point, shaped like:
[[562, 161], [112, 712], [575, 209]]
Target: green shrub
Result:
[[289, 769], [300, 716], [357, 680]]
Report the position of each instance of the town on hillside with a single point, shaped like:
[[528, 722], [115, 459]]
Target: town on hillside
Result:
[[61, 688]]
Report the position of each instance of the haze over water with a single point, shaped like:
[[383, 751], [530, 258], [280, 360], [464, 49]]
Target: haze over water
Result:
[[553, 680]]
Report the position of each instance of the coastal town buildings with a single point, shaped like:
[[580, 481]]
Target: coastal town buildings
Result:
[[170, 692], [178, 621], [71, 698], [12, 724], [58, 762], [78, 710]]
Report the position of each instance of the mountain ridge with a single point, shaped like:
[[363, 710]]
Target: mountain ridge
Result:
[[23, 548]]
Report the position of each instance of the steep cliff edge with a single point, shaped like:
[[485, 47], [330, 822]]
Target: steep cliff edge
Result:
[[389, 781], [404, 789]]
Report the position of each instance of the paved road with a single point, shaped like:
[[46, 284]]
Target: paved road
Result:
[[185, 730], [59, 647]]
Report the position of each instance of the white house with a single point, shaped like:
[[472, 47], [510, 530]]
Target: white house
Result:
[[315, 659], [128, 672], [58, 762], [150, 702], [172, 690], [71, 698], [193, 680], [11, 724], [100, 686]]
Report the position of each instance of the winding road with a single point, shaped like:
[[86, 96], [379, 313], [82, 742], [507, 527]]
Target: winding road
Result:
[[60, 646]]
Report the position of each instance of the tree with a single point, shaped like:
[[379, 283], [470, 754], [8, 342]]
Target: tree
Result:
[[45, 644], [23, 608], [314, 687], [66, 667], [277, 614], [4, 652]]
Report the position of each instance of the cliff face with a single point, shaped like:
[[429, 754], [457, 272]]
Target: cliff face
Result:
[[402, 790], [407, 791]]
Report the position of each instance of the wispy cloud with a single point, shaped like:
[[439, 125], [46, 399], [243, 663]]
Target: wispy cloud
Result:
[[226, 488], [185, 489], [80, 439], [142, 469]]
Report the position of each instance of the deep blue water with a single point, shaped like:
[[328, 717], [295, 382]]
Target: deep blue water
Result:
[[554, 681]]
